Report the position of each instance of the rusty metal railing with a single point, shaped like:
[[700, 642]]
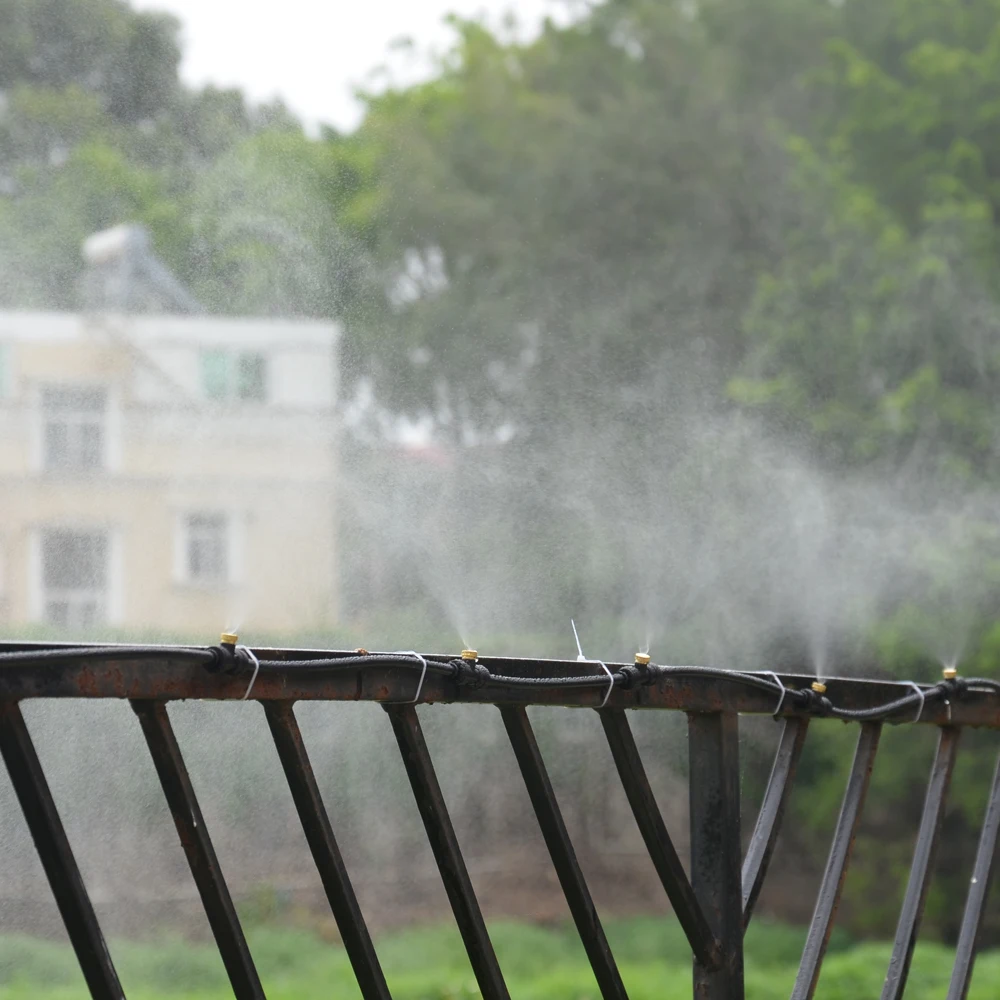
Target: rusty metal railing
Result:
[[713, 898]]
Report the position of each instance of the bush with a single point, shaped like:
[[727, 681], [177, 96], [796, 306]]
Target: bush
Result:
[[429, 963]]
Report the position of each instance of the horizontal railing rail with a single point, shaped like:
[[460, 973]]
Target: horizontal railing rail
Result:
[[713, 897]]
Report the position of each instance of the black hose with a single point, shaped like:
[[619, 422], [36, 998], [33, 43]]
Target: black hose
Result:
[[352, 662], [478, 674], [74, 654], [736, 676], [882, 711], [585, 680]]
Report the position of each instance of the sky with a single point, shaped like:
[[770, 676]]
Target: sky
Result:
[[312, 53]]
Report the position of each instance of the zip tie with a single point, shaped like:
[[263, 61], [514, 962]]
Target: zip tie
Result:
[[256, 669], [583, 659], [423, 674], [784, 691], [611, 681], [923, 697]]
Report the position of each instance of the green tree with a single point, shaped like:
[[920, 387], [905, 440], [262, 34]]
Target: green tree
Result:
[[127, 58], [559, 219], [875, 334], [877, 341], [265, 239], [96, 129]]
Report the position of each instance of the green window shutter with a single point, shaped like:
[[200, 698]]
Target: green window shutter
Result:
[[251, 377], [215, 374]]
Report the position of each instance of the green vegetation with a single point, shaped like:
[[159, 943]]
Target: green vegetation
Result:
[[430, 964]]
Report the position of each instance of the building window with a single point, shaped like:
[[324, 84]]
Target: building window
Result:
[[206, 548], [251, 377], [229, 376], [74, 578], [215, 374], [73, 428]]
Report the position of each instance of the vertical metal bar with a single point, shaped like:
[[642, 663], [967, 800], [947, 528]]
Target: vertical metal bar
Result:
[[193, 833], [713, 744], [772, 811], [574, 885], [329, 861], [447, 853], [979, 889], [836, 866], [654, 834], [923, 861], [56, 855]]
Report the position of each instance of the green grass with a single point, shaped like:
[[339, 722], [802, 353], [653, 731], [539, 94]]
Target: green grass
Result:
[[429, 963]]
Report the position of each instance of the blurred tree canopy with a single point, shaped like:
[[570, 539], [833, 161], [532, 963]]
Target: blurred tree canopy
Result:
[[96, 129]]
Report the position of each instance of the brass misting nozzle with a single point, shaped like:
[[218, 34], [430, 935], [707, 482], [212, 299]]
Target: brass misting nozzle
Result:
[[229, 638], [819, 687], [642, 659], [949, 673], [470, 654]]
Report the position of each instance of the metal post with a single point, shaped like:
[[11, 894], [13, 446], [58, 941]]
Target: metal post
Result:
[[656, 838], [772, 811], [713, 745], [979, 889], [828, 899], [194, 838], [56, 855], [444, 844], [571, 878], [325, 851], [923, 864]]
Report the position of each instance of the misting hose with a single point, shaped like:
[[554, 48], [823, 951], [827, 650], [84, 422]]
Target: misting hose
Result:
[[474, 673], [74, 654], [469, 671]]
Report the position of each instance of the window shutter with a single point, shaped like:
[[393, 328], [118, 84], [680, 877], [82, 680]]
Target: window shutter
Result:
[[215, 374]]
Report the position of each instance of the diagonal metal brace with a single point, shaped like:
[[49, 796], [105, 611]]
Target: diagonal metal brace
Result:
[[772, 811], [668, 865]]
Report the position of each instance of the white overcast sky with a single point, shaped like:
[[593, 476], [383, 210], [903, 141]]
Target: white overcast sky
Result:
[[312, 53]]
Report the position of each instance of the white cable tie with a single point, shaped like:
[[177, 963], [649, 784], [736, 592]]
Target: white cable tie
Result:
[[611, 681], [579, 648], [784, 691], [256, 669], [423, 673], [923, 698], [583, 659]]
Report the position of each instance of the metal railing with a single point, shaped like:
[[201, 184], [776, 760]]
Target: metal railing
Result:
[[713, 898]]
